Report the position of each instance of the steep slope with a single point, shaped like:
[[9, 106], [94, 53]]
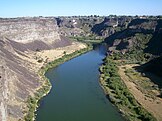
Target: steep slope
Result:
[[25, 44], [111, 25], [20, 39], [17, 83], [135, 50], [141, 40], [154, 45], [32, 32], [129, 36], [155, 67], [78, 26]]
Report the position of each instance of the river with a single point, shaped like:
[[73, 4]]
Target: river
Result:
[[76, 94]]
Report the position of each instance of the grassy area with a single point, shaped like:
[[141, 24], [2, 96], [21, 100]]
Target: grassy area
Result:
[[119, 95], [144, 84], [44, 90], [136, 53], [90, 39]]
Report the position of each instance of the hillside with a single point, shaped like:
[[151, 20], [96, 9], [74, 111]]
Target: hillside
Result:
[[155, 67], [131, 41], [142, 37], [26, 44], [137, 53], [111, 25]]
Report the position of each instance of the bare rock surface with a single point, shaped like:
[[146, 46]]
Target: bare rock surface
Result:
[[20, 41]]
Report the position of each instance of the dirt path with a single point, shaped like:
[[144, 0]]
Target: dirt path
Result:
[[154, 106]]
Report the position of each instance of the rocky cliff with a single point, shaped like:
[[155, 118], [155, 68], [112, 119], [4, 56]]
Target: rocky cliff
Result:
[[31, 32], [111, 25], [27, 30], [22, 38], [140, 34], [18, 38], [17, 83], [77, 25]]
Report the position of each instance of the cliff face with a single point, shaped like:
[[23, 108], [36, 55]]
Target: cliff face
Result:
[[27, 30], [77, 25], [18, 38], [110, 25], [17, 83], [140, 34], [21, 37], [33, 33]]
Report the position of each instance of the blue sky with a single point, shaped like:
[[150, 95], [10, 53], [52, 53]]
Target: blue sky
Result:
[[19, 8]]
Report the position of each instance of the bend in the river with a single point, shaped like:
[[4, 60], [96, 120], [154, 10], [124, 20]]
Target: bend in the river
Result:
[[76, 94]]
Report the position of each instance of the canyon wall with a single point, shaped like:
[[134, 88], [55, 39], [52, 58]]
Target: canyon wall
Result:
[[18, 38], [27, 30]]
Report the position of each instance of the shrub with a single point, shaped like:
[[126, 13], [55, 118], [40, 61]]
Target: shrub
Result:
[[120, 95]]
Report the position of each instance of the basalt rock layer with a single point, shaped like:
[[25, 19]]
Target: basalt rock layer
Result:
[[18, 81]]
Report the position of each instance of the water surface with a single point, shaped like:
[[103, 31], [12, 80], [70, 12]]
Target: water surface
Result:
[[76, 94]]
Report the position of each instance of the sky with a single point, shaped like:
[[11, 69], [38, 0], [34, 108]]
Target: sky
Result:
[[23, 8]]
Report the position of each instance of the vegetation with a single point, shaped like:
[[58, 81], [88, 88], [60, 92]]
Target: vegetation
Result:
[[33, 100], [142, 82], [89, 40], [139, 43], [119, 95], [66, 57], [40, 60], [136, 53]]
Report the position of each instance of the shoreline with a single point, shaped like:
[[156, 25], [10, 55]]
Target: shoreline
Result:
[[119, 95], [33, 102]]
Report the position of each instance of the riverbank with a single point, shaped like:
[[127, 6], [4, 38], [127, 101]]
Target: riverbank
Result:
[[45, 87], [143, 89], [118, 93]]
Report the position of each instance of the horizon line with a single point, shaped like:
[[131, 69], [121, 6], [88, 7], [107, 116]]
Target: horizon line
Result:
[[92, 15]]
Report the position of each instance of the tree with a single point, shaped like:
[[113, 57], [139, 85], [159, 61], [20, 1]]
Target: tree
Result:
[[64, 52]]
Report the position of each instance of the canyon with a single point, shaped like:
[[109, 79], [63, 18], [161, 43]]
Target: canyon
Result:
[[28, 43], [23, 43]]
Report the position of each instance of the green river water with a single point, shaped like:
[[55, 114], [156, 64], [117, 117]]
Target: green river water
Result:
[[76, 94]]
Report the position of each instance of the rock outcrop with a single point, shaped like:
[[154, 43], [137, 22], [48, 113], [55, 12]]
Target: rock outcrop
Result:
[[18, 38], [111, 25], [140, 34], [77, 25], [21, 38], [25, 30]]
